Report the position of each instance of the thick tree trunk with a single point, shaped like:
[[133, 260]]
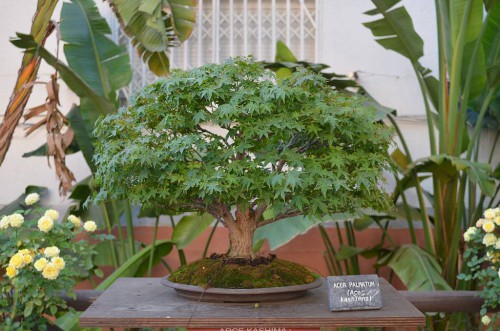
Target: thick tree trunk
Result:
[[241, 235]]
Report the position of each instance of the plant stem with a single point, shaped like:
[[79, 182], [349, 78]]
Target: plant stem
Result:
[[209, 240], [155, 233], [428, 112], [429, 242], [120, 231], [455, 81], [130, 227], [109, 228], [403, 196], [479, 123], [464, 102]]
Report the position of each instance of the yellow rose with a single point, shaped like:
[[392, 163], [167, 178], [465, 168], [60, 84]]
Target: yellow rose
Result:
[[24, 251], [40, 264], [90, 226], [4, 223], [75, 220], [52, 214], [31, 199], [45, 223], [489, 239], [16, 261], [58, 262], [489, 213], [488, 226], [50, 271], [51, 251], [27, 258], [16, 220], [11, 272], [485, 320], [497, 220], [479, 222]]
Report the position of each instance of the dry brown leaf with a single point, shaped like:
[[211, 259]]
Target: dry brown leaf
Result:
[[57, 141]]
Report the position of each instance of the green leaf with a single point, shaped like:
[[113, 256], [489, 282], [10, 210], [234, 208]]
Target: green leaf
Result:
[[491, 45], [156, 25], [130, 267], [44, 149], [28, 309], [395, 30], [258, 245], [98, 273], [160, 251], [18, 203], [190, 227], [362, 223], [70, 77], [283, 53], [83, 135], [69, 321], [281, 232], [400, 159], [102, 64], [418, 270], [346, 252], [446, 167]]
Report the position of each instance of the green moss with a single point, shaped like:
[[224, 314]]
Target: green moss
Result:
[[276, 273]]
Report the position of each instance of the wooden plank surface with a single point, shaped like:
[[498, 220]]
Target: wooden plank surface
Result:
[[144, 302]]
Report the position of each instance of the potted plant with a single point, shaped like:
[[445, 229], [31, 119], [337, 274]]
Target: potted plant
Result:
[[232, 141]]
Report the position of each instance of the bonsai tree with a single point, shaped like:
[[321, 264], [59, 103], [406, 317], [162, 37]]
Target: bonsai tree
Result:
[[230, 140]]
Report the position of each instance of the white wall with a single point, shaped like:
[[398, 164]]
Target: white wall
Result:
[[16, 172], [346, 45]]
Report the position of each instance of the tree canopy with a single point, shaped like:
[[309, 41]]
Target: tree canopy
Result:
[[226, 135]]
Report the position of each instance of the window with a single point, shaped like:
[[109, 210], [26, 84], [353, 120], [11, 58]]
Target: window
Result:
[[238, 27]]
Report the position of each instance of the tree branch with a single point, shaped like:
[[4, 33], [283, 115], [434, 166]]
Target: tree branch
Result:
[[259, 211], [280, 217]]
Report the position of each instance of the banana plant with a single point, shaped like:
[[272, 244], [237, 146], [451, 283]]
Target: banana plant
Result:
[[469, 58], [41, 28], [154, 26]]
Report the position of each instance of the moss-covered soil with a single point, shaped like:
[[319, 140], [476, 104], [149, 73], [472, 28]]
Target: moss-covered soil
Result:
[[220, 271]]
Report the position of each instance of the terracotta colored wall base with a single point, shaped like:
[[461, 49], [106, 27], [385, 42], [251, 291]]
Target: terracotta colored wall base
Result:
[[306, 249]]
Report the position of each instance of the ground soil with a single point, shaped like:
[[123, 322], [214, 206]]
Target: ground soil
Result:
[[229, 272]]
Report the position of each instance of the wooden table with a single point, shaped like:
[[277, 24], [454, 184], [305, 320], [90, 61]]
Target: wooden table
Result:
[[144, 302]]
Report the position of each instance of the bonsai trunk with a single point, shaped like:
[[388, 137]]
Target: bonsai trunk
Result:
[[241, 235]]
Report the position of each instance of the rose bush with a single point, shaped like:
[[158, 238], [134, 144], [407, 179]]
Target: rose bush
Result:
[[482, 258], [41, 259]]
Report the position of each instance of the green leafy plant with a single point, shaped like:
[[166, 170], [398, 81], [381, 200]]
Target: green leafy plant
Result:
[[41, 259], [483, 260], [468, 61], [231, 136]]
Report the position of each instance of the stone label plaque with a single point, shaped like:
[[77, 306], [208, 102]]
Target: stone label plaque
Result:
[[354, 292]]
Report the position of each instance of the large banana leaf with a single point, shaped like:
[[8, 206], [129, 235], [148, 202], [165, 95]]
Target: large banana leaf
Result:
[[70, 77], [281, 232], [395, 29], [156, 25], [189, 228], [83, 135], [457, 10], [447, 167], [491, 44], [418, 270], [131, 267], [101, 63], [41, 28]]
